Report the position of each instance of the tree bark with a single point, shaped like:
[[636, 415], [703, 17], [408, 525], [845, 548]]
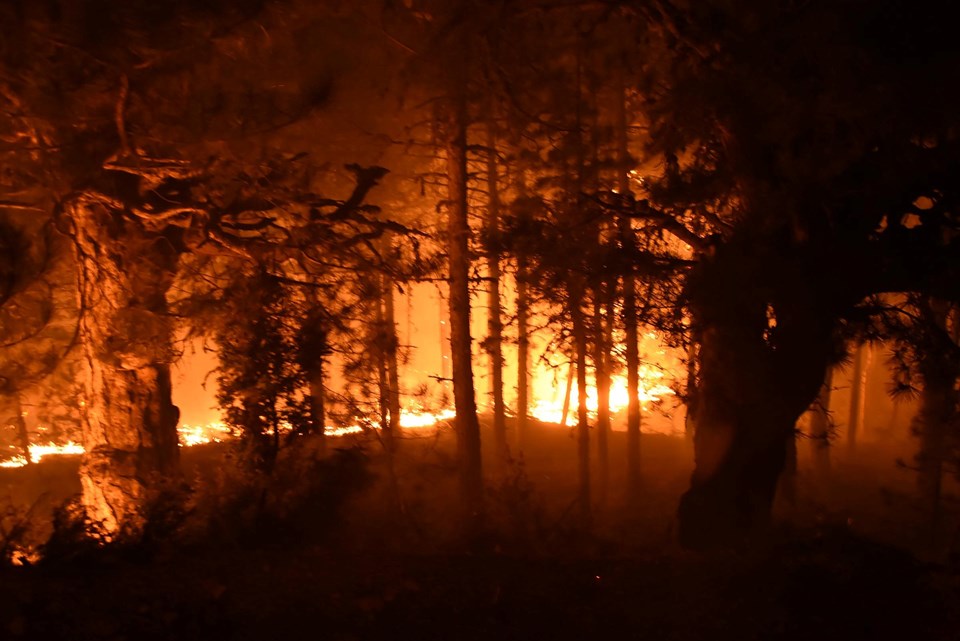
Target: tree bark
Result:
[[583, 426], [601, 365], [313, 351], [523, 333], [318, 401], [523, 355], [938, 410], [858, 383], [761, 364], [494, 322], [630, 329], [393, 343], [129, 420], [383, 387], [23, 435], [458, 236]]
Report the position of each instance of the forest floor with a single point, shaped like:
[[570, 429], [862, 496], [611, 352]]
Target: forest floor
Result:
[[285, 564]]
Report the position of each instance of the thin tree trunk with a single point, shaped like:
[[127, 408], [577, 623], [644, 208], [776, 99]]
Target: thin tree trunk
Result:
[[393, 366], [523, 333], [458, 232], [494, 322], [567, 394], [383, 388], [583, 426], [23, 435], [129, 421], [601, 364], [858, 382], [313, 351], [389, 346], [820, 425], [631, 333], [689, 423], [523, 355]]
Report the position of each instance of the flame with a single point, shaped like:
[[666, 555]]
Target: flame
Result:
[[549, 409], [412, 420], [23, 555], [215, 432], [653, 389], [38, 451]]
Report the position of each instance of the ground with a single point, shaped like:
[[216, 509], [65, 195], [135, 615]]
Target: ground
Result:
[[358, 573]]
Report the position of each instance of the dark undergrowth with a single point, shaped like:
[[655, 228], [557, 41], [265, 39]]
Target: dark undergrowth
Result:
[[348, 547]]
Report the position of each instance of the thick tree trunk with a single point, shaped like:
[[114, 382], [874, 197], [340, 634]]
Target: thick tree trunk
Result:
[[495, 311], [937, 408], [740, 451], [760, 367], [129, 421], [458, 236], [938, 411], [318, 401]]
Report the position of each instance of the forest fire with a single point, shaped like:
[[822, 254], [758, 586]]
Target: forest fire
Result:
[[192, 435], [39, 451], [653, 389], [458, 319]]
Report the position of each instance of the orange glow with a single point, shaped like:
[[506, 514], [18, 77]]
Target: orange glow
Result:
[[38, 451]]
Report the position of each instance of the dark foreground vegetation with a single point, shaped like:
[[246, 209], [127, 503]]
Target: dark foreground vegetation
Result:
[[733, 201], [250, 557]]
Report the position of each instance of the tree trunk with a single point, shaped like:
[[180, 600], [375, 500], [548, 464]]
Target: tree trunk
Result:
[[740, 451], [129, 421], [760, 367], [393, 366], [601, 364], [23, 435], [583, 426], [458, 237], [820, 425], [318, 403], [313, 351], [567, 393], [693, 354], [494, 322], [631, 332], [523, 354], [788, 479], [858, 383], [523, 333], [938, 410], [383, 387]]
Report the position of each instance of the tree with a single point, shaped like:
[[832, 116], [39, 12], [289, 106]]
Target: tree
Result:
[[775, 146], [147, 129]]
